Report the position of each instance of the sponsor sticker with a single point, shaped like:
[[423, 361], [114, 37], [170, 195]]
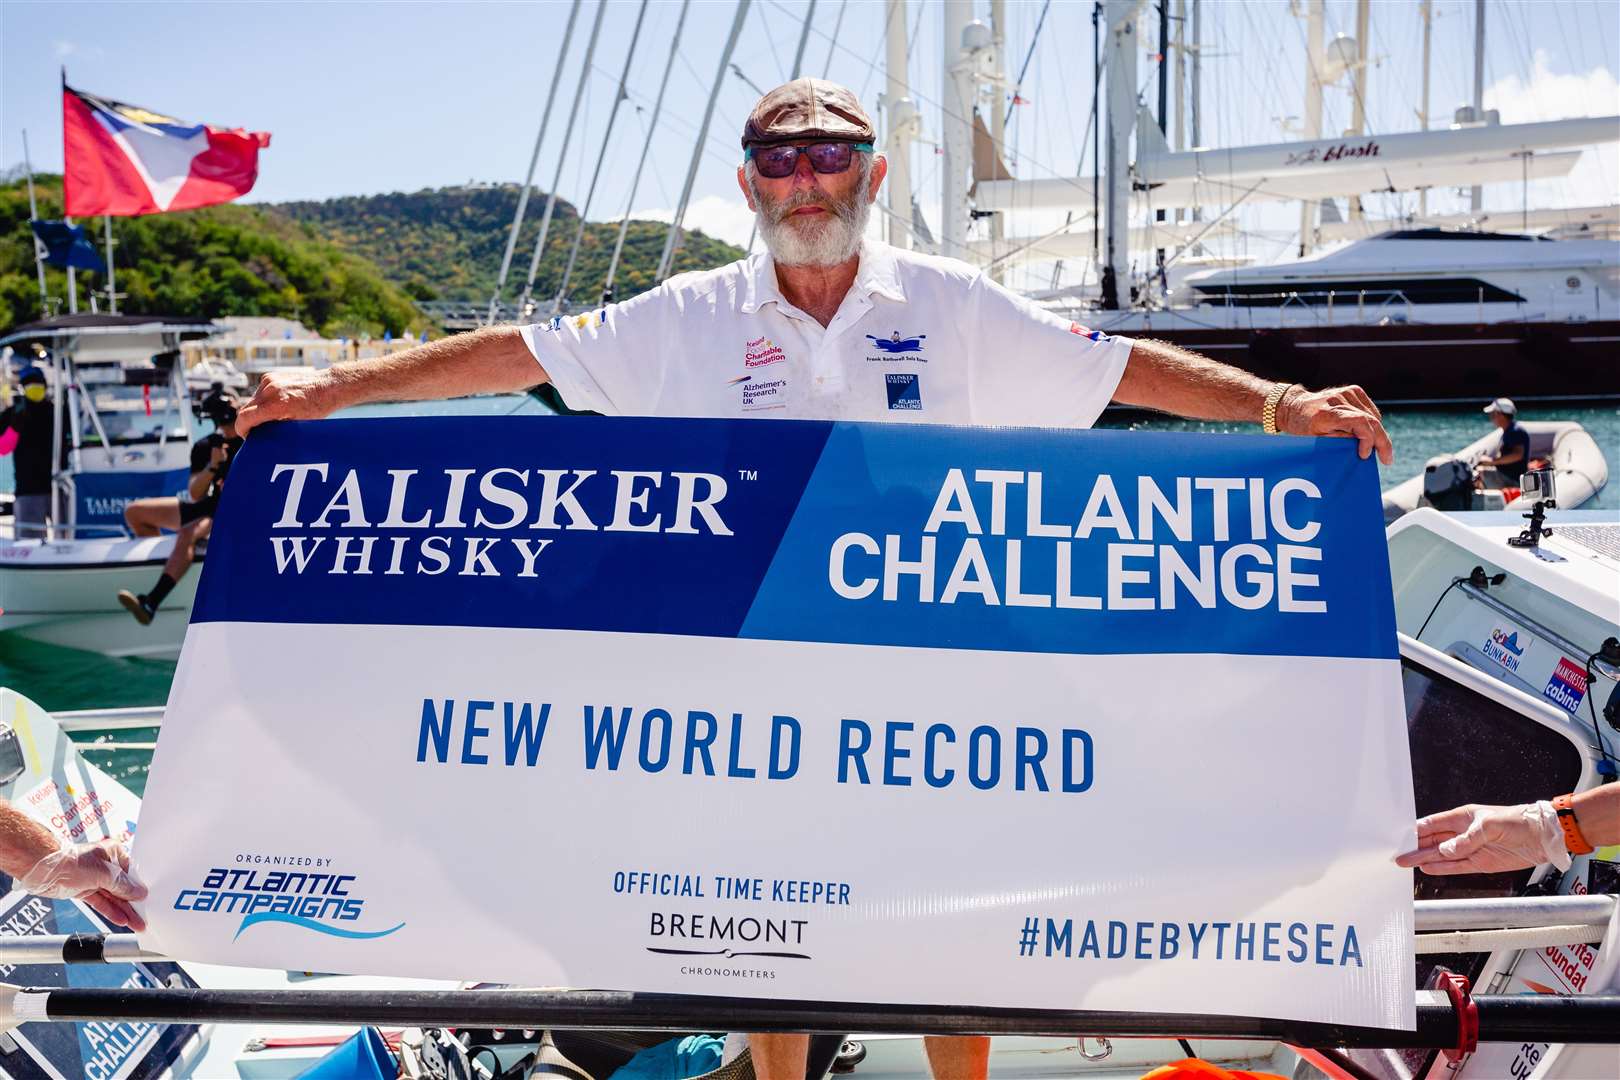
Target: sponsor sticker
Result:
[[1506, 646], [905, 391], [1567, 686]]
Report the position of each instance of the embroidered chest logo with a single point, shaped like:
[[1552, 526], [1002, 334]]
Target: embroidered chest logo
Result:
[[905, 390], [894, 345], [762, 351]]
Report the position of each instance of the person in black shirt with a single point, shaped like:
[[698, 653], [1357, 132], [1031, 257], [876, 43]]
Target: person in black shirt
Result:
[[31, 416], [191, 521], [1513, 456]]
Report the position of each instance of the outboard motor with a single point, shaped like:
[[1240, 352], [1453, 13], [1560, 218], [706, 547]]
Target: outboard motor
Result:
[[1448, 483]]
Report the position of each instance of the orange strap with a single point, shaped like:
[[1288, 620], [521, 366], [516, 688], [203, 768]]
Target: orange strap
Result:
[[1574, 839], [1195, 1069]]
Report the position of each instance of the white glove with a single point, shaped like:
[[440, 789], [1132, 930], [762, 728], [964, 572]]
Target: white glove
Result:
[[97, 874], [1485, 839]]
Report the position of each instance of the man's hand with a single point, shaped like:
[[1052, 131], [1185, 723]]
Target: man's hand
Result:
[[97, 874], [217, 456], [1344, 411], [1477, 839], [289, 395]]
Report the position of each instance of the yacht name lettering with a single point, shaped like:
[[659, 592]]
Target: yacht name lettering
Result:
[[731, 746], [473, 522], [1206, 541]]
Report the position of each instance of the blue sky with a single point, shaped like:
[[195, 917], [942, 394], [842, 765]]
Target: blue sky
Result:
[[372, 97]]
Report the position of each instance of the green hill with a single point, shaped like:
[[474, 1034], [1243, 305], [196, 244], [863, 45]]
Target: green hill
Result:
[[225, 260], [447, 243], [345, 267]]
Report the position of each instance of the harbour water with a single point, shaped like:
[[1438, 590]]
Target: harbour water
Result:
[[59, 678]]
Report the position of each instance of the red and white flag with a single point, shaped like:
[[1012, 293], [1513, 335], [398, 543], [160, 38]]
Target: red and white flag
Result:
[[125, 160]]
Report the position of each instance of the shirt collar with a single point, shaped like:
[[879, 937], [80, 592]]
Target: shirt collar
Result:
[[877, 275]]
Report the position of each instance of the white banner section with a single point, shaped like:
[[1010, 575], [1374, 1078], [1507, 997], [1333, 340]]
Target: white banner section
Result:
[[577, 770]]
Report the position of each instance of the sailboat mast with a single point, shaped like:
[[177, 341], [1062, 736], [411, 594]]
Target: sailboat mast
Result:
[[562, 159], [112, 279], [1476, 194], [667, 259], [596, 174], [1121, 17], [534, 159], [1426, 13], [1358, 90], [956, 126], [635, 181], [998, 123], [33, 216], [897, 114], [1313, 108]]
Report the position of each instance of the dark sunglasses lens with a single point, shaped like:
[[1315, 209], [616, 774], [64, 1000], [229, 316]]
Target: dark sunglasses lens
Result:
[[777, 162], [830, 157]]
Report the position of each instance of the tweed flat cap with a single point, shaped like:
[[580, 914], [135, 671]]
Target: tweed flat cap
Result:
[[807, 109]]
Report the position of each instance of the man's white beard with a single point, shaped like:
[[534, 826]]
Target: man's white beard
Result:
[[826, 239]]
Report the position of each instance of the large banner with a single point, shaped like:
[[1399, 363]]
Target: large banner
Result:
[[789, 709]]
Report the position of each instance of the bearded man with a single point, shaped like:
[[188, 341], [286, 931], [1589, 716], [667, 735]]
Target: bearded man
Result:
[[828, 325]]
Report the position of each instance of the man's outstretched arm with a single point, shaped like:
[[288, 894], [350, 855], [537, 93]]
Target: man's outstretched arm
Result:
[[493, 360], [1170, 379]]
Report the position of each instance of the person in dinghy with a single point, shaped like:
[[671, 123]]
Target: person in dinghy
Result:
[[828, 324]]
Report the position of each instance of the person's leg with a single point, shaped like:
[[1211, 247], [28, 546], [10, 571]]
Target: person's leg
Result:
[[779, 1057], [958, 1057], [144, 605], [149, 517]]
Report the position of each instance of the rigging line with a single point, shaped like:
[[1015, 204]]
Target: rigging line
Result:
[[765, 28], [619, 98], [922, 98], [1029, 55], [832, 42]]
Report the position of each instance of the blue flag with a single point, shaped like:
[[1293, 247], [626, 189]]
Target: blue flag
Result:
[[67, 245]]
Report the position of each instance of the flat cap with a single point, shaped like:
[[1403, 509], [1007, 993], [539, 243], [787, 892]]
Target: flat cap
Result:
[[807, 109]]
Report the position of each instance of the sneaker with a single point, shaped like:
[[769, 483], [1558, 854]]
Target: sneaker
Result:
[[137, 606]]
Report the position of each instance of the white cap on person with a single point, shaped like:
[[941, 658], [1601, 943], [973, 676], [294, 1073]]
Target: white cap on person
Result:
[[1502, 405]]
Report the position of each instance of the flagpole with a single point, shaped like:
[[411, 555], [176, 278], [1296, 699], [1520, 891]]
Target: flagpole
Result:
[[33, 215], [73, 285], [112, 278]]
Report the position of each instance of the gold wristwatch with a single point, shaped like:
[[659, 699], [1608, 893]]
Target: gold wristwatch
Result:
[[1268, 415]]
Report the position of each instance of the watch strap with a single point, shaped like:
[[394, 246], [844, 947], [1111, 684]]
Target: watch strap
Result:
[[1574, 840]]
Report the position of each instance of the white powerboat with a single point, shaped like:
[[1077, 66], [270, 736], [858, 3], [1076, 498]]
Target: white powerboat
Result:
[[123, 411], [1447, 481]]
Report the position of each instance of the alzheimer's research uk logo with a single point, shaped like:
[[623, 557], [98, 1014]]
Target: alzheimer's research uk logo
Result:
[[311, 896]]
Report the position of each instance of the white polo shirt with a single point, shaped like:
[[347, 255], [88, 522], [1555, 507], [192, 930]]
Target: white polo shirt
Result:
[[918, 339]]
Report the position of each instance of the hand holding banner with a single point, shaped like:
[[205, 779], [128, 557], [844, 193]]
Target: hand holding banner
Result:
[[995, 717]]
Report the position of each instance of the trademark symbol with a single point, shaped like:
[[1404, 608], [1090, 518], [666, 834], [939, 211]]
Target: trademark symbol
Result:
[[748, 474]]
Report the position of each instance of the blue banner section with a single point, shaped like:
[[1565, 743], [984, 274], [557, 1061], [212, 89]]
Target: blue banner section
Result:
[[100, 497], [1004, 539], [1086, 542], [579, 523]]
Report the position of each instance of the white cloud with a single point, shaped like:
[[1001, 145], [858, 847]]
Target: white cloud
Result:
[[64, 49], [728, 219], [1549, 95]]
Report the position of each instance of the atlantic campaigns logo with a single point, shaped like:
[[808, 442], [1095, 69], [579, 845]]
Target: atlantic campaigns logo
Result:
[[894, 343], [1504, 647], [1567, 685], [310, 895]]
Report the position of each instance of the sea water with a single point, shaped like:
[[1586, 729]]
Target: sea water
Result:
[[60, 678]]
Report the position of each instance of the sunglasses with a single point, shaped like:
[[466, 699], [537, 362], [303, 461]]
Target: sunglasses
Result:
[[776, 162]]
